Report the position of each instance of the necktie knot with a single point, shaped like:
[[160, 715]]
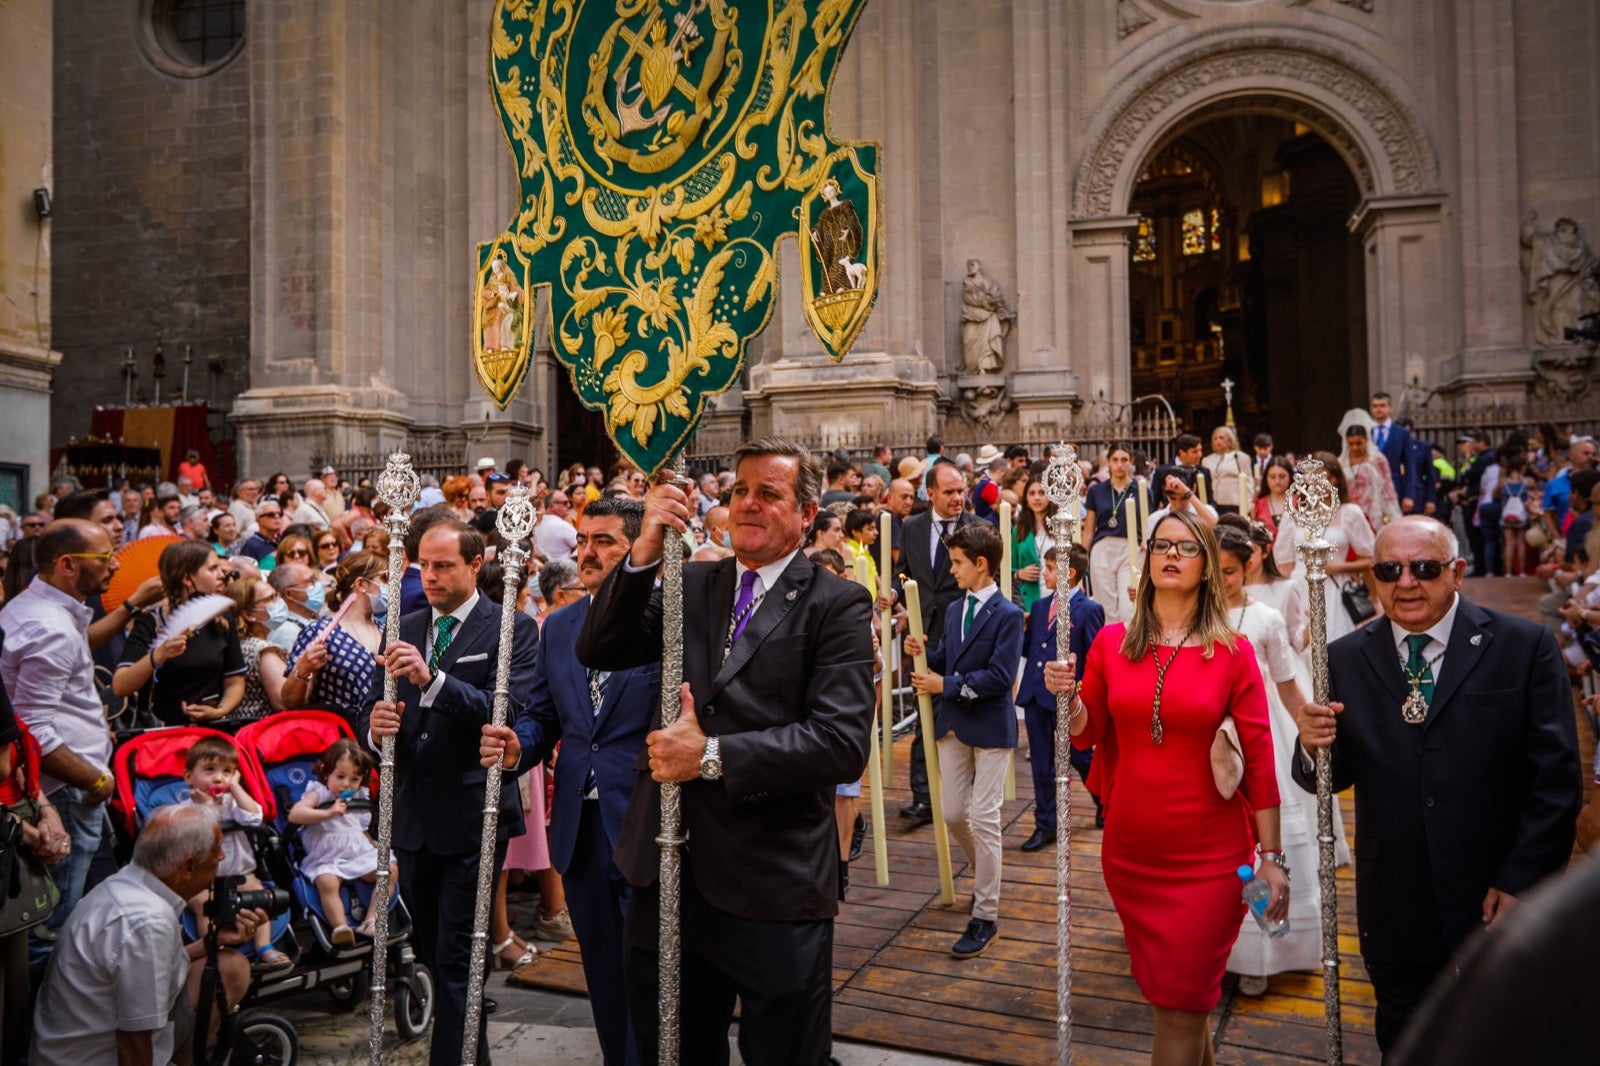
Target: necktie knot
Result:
[[1417, 642]]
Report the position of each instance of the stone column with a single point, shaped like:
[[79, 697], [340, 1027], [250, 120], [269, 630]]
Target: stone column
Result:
[[26, 361], [319, 376], [1489, 208], [1406, 327], [1099, 347]]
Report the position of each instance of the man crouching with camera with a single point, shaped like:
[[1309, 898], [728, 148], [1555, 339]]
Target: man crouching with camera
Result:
[[122, 986]]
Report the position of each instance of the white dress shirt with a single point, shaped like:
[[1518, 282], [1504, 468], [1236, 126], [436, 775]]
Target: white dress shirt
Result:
[[1440, 632], [49, 675], [766, 579], [120, 964], [983, 596]]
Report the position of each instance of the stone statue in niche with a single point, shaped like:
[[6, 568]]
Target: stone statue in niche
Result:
[[985, 401], [1560, 278], [986, 319]]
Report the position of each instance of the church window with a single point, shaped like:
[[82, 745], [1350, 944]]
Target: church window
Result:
[[1144, 241], [191, 38], [1194, 232]]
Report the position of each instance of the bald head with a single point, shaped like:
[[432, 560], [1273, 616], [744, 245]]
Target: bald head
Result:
[[1416, 531]]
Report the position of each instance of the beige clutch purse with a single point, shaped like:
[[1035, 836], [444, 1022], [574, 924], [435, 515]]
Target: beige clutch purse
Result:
[[1227, 758]]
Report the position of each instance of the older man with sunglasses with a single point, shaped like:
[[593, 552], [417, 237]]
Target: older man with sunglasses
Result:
[[1455, 724]]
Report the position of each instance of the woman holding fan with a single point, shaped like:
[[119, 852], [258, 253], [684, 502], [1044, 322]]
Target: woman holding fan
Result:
[[197, 670], [333, 659]]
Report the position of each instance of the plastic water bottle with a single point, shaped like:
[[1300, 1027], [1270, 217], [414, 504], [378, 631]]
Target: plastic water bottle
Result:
[[1257, 894]]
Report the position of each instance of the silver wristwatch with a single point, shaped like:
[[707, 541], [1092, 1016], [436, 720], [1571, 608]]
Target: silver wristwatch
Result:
[[711, 760], [1277, 858]]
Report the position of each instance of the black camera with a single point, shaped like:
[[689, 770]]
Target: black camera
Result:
[[1589, 330], [228, 899]]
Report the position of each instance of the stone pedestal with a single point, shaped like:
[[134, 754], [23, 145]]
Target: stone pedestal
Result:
[[870, 395], [280, 427]]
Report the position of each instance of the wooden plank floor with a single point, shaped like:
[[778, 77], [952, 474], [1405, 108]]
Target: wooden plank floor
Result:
[[896, 984]]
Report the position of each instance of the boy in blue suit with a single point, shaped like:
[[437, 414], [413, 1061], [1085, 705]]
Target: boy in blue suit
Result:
[[1038, 705], [975, 722]]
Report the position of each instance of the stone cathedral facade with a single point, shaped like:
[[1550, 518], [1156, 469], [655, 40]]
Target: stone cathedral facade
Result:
[[1092, 207]]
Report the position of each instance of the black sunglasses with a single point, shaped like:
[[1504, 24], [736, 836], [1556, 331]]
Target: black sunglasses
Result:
[[1421, 569]]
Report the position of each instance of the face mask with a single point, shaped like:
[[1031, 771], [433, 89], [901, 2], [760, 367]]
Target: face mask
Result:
[[722, 538], [380, 604], [277, 613], [316, 596]]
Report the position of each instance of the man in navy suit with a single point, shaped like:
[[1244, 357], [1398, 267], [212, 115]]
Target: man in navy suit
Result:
[[1038, 704], [603, 718], [1394, 441], [445, 665], [972, 672], [1455, 724]]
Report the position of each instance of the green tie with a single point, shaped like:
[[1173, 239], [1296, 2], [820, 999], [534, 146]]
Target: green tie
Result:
[[1417, 666], [443, 633], [966, 619]]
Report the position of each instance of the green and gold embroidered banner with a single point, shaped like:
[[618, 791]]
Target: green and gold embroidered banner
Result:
[[663, 149]]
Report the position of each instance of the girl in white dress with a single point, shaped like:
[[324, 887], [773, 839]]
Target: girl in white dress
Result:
[[1256, 956], [1352, 540], [336, 842]]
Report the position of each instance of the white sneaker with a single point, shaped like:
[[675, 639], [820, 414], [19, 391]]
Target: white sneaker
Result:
[[557, 927], [1252, 986]]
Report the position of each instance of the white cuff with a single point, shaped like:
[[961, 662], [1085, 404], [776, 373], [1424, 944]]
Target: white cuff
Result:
[[629, 568], [431, 693]]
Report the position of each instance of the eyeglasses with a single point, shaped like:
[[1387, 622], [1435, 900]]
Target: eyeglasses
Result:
[[102, 556], [1188, 549], [570, 588], [269, 514], [1421, 569], [33, 525], [297, 553]]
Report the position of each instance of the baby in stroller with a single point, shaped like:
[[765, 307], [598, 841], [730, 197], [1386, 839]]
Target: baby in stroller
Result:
[[211, 770], [337, 848]]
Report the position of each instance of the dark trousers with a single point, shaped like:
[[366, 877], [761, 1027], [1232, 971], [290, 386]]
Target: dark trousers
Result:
[[1400, 988], [919, 768], [597, 900], [781, 973], [441, 892], [1040, 723]]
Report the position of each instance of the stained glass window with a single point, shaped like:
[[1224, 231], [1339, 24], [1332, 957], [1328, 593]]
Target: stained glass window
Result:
[[1144, 241], [1216, 231], [1194, 232]]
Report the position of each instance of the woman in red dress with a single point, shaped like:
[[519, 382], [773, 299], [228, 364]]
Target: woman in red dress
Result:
[[1154, 693]]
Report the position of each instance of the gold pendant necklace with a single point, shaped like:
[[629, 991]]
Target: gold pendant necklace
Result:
[[1414, 710]]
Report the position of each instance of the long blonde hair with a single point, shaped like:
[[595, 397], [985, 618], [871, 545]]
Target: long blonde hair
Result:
[[1211, 623]]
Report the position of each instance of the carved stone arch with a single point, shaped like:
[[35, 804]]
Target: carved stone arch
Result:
[[1331, 91]]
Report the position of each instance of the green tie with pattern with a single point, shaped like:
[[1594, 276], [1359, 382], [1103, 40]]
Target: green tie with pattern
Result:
[[443, 633], [966, 619], [1417, 667]]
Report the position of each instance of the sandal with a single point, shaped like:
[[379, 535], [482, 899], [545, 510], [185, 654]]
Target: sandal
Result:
[[504, 961], [269, 960], [343, 937]]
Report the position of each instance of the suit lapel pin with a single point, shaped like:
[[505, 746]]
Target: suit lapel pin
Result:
[[792, 594], [1476, 639]]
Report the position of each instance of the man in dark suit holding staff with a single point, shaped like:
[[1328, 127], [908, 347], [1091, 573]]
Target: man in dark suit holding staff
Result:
[[1455, 724], [445, 663], [758, 748]]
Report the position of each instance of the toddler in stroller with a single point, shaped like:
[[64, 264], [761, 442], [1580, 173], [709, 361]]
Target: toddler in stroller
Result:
[[337, 848], [211, 770]]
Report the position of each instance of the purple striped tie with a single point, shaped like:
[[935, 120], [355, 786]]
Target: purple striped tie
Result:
[[744, 606]]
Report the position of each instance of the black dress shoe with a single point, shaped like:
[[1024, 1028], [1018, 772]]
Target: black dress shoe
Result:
[[856, 837], [1041, 838], [975, 939], [917, 814], [490, 1005]]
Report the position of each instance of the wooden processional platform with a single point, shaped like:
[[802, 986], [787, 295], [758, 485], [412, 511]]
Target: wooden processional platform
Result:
[[896, 984]]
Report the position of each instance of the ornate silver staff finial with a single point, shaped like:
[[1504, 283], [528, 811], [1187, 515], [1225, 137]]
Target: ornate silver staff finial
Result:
[[1063, 483], [1313, 501], [398, 487], [517, 517]]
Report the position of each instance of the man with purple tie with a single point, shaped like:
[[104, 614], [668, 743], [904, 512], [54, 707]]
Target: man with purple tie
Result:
[[777, 710]]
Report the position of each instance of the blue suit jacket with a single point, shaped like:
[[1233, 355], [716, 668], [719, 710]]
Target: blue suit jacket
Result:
[[978, 674], [608, 743], [1402, 463], [1039, 644], [438, 799]]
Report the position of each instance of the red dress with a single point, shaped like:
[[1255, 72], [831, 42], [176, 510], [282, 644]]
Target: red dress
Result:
[[1172, 844]]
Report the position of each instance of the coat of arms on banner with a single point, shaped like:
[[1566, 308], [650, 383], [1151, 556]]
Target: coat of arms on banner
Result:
[[663, 148]]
